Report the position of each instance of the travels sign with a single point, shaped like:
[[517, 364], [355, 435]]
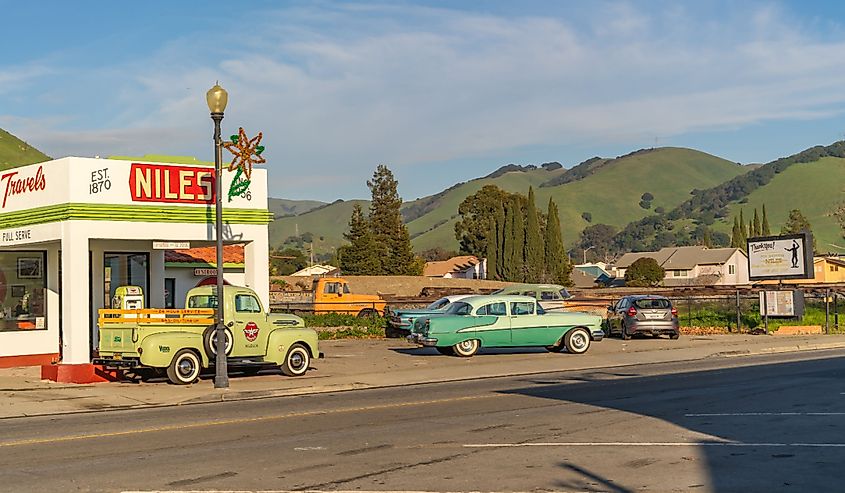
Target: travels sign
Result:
[[780, 257]]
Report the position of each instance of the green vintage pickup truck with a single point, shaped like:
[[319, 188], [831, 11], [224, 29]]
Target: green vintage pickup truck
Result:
[[180, 343]]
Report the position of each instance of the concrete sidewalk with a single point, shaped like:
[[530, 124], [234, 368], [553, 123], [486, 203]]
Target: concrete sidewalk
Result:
[[360, 364]]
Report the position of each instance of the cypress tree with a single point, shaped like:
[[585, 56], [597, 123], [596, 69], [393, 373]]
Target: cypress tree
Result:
[[750, 228], [758, 228], [518, 242], [736, 234], [557, 264], [492, 251], [500, 241], [508, 273], [534, 250], [358, 258], [708, 242], [743, 231], [764, 229]]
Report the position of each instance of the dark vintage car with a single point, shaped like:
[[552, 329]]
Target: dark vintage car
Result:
[[643, 314]]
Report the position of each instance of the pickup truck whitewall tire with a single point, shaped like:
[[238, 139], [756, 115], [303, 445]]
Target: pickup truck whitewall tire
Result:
[[185, 367], [297, 361]]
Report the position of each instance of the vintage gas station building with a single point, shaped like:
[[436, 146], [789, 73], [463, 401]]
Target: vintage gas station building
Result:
[[74, 229]]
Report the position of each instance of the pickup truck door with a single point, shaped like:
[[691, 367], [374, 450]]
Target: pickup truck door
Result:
[[251, 329]]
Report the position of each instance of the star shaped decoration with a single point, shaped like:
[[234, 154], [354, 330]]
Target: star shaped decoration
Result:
[[247, 152]]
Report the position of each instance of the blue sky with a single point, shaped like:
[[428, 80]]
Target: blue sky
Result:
[[439, 91]]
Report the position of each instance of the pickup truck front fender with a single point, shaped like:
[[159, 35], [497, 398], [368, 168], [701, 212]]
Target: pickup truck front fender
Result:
[[280, 340], [157, 350]]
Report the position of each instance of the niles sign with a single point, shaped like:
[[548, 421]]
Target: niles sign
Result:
[[14, 184], [781, 257], [172, 184]]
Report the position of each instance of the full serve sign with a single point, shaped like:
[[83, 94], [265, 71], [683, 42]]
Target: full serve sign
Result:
[[171, 184]]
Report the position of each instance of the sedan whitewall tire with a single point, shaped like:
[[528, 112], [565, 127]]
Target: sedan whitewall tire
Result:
[[467, 348], [577, 341]]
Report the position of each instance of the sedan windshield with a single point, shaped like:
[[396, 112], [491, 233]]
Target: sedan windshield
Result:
[[459, 308]]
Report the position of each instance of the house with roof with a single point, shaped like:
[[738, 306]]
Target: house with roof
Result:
[[186, 269], [827, 270], [317, 270], [461, 267], [694, 265]]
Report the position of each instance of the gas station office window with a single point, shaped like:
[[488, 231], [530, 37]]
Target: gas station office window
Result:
[[23, 291]]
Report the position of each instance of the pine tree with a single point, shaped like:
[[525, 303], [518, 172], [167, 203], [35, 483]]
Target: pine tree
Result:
[[533, 242], [764, 229], [559, 269], [393, 243], [500, 241], [358, 258], [797, 223], [758, 228], [508, 273], [492, 252], [518, 243]]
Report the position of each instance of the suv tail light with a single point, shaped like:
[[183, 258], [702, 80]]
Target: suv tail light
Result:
[[632, 312], [674, 312]]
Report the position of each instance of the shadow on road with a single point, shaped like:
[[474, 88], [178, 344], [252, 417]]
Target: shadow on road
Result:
[[779, 420]]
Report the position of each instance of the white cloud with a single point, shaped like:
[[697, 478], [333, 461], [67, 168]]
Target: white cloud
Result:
[[345, 87]]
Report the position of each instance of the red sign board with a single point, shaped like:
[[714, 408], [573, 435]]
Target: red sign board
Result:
[[171, 184]]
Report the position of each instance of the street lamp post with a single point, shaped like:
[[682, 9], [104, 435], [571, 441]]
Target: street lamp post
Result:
[[587, 250], [216, 97]]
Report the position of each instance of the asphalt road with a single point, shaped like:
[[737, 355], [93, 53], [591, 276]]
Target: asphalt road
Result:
[[770, 423]]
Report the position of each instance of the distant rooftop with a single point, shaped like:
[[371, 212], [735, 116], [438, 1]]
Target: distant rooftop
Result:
[[161, 158]]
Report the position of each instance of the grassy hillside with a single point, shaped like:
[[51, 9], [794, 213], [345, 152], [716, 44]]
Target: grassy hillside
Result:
[[611, 193], [285, 207], [815, 188], [609, 189], [15, 152], [326, 224]]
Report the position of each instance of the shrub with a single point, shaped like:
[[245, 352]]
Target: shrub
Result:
[[644, 272]]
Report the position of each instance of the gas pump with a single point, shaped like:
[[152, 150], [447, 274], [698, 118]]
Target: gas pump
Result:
[[128, 298]]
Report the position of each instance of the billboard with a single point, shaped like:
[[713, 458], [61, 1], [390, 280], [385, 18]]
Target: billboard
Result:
[[780, 257]]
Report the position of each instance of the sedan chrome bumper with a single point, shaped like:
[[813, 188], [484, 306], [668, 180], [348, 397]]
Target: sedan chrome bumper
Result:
[[597, 335], [422, 340]]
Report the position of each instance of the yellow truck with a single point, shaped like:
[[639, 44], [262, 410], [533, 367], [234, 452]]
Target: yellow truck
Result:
[[180, 343], [331, 295]]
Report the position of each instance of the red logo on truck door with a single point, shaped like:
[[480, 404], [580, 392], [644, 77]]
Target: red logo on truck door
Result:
[[251, 331], [179, 184]]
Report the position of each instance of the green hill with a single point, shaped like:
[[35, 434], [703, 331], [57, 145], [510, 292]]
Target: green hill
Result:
[[815, 188], [324, 226], [609, 189], [716, 206], [14, 152], [610, 192], [286, 207]]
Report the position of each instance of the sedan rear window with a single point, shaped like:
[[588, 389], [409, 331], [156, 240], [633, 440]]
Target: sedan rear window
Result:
[[441, 303], [459, 308], [652, 303]]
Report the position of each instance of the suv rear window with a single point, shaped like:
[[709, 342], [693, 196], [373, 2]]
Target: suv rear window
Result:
[[652, 303]]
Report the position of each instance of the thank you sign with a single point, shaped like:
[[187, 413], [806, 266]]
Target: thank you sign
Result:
[[780, 257]]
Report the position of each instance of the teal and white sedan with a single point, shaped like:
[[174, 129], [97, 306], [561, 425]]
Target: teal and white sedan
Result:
[[505, 321]]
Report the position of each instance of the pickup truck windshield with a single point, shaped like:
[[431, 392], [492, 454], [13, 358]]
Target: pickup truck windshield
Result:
[[202, 301]]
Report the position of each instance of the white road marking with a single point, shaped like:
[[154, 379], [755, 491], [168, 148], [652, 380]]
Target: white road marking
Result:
[[300, 449], [652, 444], [700, 415], [320, 491]]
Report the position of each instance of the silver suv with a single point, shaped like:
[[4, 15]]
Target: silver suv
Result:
[[643, 314]]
